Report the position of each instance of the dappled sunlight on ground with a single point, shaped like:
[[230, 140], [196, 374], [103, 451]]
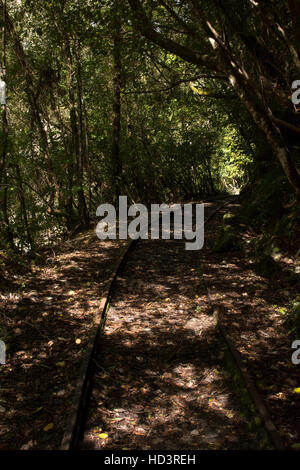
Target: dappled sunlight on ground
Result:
[[49, 318], [160, 380]]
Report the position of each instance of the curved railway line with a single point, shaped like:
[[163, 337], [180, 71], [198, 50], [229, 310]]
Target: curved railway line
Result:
[[156, 378]]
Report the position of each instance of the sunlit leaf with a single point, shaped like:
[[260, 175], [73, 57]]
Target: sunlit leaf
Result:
[[48, 427]]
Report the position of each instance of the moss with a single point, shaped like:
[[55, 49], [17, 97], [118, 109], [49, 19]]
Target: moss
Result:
[[267, 267], [293, 319], [254, 421], [227, 240], [228, 217], [265, 208]]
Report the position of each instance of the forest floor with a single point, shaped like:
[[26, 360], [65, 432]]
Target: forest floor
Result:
[[47, 312], [160, 363], [160, 381]]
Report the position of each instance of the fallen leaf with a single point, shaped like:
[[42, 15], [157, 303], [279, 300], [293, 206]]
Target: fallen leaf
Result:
[[61, 364], [37, 410], [139, 432], [48, 427]]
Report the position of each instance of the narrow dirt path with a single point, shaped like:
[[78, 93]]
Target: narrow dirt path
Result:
[[160, 381]]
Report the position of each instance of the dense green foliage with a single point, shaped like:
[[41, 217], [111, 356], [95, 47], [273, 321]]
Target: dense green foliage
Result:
[[96, 107]]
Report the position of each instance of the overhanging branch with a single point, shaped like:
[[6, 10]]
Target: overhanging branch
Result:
[[146, 27]]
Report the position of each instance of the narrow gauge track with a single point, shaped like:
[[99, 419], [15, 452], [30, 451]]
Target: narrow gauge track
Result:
[[156, 379]]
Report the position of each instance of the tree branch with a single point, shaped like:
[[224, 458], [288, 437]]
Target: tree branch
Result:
[[146, 27]]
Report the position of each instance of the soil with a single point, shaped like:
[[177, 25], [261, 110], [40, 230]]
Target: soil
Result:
[[48, 312]]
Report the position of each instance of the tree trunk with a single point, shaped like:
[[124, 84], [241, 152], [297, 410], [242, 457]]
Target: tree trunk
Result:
[[116, 161], [23, 207], [271, 132], [81, 141], [8, 229], [4, 114], [3, 171], [87, 164], [222, 60], [34, 105], [76, 141]]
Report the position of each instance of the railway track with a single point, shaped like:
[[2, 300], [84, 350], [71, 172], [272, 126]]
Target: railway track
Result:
[[156, 379]]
